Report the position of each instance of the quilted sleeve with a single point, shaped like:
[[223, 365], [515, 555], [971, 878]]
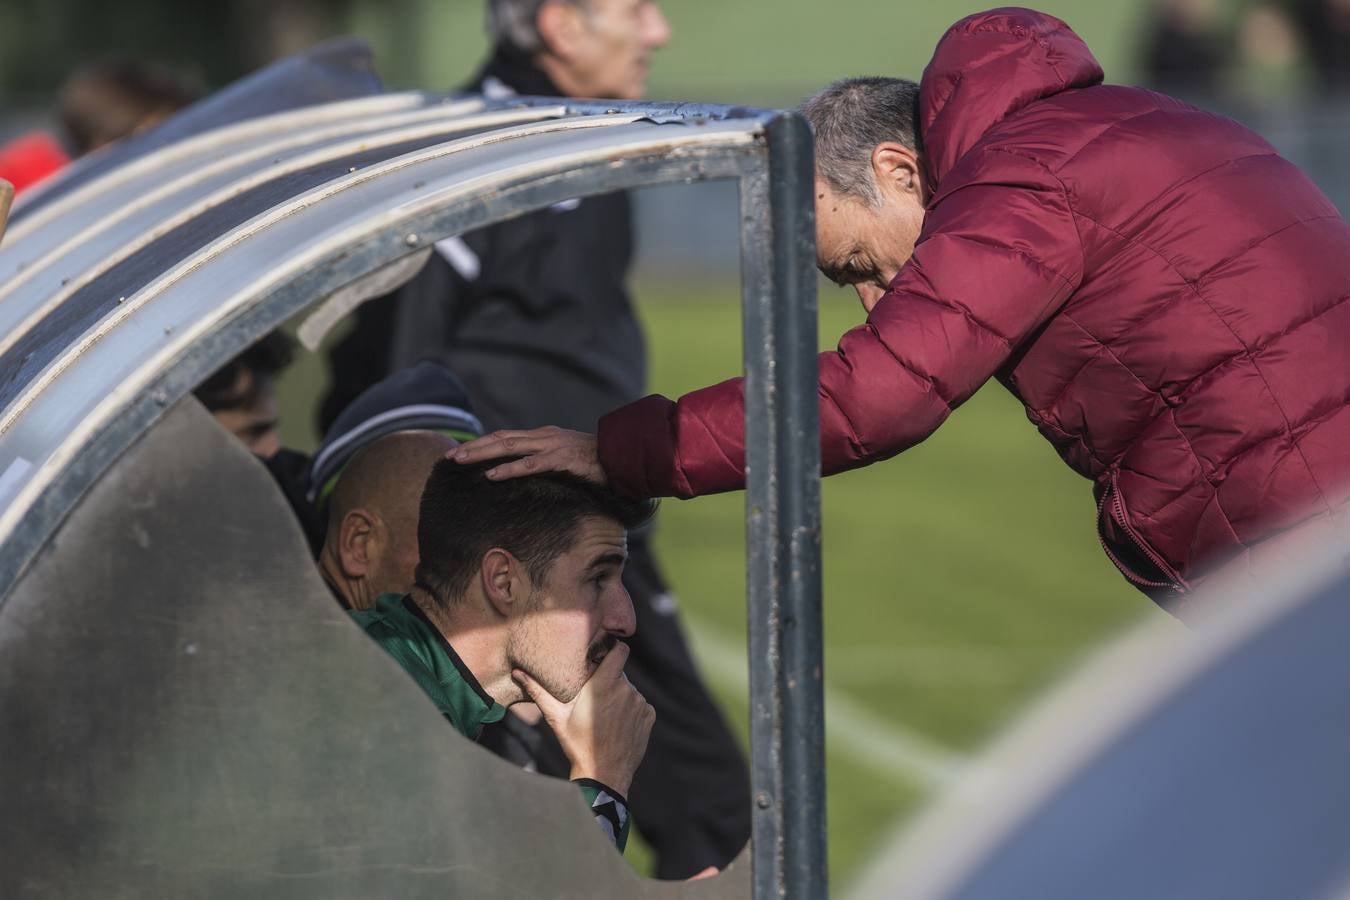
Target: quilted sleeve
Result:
[[999, 254]]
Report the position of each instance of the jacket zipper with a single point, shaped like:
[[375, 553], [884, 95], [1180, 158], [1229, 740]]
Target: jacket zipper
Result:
[[1118, 507]]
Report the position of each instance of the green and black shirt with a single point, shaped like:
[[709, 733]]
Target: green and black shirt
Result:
[[401, 627]]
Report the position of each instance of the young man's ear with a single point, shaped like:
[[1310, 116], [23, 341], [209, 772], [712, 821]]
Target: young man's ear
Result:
[[560, 25], [359, 535], [501, 576], [896, 170]]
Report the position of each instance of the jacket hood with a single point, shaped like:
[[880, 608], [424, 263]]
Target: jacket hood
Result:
[[987, 67]]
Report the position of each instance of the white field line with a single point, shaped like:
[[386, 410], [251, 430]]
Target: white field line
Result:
[[889, 749]]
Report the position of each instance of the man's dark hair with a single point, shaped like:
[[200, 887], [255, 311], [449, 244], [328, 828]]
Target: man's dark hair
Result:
[[105, 101], [535, 518], [849, 118], [264, 360]]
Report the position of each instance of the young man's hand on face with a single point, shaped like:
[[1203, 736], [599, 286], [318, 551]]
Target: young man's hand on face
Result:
[[604, 729]]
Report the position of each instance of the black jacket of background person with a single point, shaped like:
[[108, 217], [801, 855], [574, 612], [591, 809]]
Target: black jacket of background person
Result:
[[533, 313]]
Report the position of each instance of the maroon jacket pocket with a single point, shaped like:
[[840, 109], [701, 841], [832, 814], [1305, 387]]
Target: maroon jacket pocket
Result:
[[1141, 565]]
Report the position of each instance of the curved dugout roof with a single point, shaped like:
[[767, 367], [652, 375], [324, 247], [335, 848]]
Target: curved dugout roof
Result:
[[118, 296], [140, 271]]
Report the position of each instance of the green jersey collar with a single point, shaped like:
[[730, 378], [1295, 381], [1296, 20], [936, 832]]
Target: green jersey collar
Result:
[[457, 693]]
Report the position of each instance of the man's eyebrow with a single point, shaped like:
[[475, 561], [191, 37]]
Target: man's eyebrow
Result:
[[613, 558], [841, 273]]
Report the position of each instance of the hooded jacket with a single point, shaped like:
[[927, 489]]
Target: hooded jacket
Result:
[[1164, 293]]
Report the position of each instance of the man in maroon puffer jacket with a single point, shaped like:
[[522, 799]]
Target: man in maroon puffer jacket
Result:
[[1165, 294]]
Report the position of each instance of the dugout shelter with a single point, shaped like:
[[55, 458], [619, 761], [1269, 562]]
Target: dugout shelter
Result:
[[183, 709]]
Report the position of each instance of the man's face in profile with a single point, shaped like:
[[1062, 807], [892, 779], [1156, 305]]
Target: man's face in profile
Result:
[[578, 612], [615, 40]]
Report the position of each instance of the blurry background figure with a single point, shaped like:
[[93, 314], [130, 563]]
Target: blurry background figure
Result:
[[101, 103], [1183, 48], [243, 397], [107, 101], [1325, 25], [1269, 68]]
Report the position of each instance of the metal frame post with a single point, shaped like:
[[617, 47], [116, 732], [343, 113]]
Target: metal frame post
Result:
[[782, 431]]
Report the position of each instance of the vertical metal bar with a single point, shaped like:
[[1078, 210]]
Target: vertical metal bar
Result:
[[782, 429]]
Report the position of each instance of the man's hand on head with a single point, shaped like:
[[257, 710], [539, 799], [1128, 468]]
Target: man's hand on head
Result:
[[604, 729], [549, 449]]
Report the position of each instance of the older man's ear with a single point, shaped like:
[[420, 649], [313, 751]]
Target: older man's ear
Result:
[[359, 542], [6, 196]]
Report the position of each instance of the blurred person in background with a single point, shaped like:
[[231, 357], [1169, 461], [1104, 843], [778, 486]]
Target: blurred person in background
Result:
[[1184, 51], [107, 101], [1270, 69], [535, 315], [1167, 296], [101, 103], [243, 394], [1325, 28]]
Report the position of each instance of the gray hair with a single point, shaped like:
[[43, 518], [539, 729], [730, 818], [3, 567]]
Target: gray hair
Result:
[[515, 23], [849, 118]]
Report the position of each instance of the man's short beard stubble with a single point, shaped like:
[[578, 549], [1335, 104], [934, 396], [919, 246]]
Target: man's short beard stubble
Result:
[[531, 654]]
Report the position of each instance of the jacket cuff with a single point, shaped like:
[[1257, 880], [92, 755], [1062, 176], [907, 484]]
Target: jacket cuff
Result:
[[636, 445], [609, 808]]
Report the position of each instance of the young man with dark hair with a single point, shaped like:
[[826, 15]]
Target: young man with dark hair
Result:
[[519, 597]]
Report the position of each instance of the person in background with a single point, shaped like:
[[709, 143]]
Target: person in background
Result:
[[101, 103], [1183, 50], [1324, 26], [370, 547], [107, 101], [243, 395], [424, 397], [535, 315]]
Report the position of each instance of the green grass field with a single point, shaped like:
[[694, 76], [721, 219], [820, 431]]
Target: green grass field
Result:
[[961, 578]]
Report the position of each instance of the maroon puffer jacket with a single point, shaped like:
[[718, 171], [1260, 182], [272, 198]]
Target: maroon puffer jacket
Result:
[[1164, 293]]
